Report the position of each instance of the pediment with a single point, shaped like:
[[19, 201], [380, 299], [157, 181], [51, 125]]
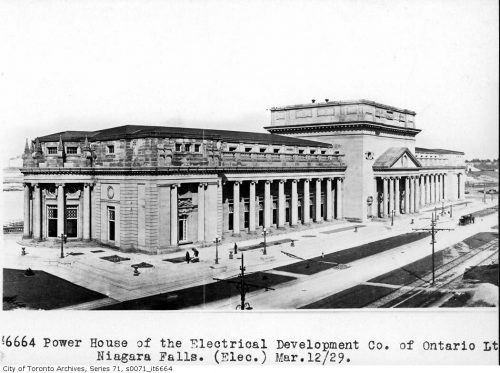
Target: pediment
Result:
[[407, 160], [397, 158]]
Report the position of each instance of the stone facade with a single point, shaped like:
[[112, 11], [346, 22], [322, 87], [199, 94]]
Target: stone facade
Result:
[[153, 188]]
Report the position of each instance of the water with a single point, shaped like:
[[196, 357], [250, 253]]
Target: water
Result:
[[12, 208]]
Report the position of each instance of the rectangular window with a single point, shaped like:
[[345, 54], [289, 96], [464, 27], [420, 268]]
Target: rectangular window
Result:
[[52, 150], [232, 148], [111, 149], [262, 150], [72, 221], [248, 150], [197, 148], [178, 147], [301, 151], [111, 223], [276, 150], [52, 221], [71, 150], [323, 152], [187, 147]]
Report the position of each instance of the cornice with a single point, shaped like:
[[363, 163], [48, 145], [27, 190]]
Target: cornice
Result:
[[337, 126]]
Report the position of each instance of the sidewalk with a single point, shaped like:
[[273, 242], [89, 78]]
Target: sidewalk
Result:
[[116, 280]]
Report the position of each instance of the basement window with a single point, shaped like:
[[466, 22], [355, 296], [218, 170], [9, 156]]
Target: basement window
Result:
[[262, 150], [248, 150], [276, 150], [71, 150], [301, 151], [52, 150], [232, 148]]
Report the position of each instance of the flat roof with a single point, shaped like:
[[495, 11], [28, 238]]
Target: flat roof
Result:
[[437, 151], [136, 131], [337, 103]]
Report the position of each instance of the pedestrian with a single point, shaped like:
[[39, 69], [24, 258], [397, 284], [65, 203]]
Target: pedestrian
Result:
[[196, 253], [188, 257], [473, 219], [235, 248]]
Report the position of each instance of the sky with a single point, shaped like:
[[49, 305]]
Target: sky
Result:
[[89, 65]]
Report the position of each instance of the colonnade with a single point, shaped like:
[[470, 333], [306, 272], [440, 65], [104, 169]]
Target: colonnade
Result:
[[33, 210], [406, 194], [282, 195]]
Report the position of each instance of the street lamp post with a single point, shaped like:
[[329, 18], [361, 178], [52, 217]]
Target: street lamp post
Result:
[[264, 232], [63, 240], [392, 218], [451, 211], [217, 240], [442, 209]]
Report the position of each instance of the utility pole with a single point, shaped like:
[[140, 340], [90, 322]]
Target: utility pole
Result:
[[484, 192], [243, 286], [433, 231]]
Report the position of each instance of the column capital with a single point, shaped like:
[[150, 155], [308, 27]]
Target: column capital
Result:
[[253, 182], [202, 185], [307, 180], [319, 179], [237, 183], [175, 185], [35, 185], [295, 181], [60, 185], [88, 185], [282, 181], [268, 181], [26, 185]]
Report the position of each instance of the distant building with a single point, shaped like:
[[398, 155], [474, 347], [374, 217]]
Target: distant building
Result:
[[152, 188]]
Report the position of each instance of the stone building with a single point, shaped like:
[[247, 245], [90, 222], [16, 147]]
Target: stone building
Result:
[[152, 188]]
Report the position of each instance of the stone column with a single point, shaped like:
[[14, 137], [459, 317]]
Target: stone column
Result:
[[60, 209], [37, 212], [426, 190], [431, 189], [462, 186], [86, 212], [173, 215], [384, 198], [236, 208], [422, 191], [27, 215], [251, 207], [201, 212], [317, 200], [267, 204], [391, 195], [417, 194], [412, 194], [438, 188], [294, 204], [445, 185], [305, 204], [339, 198], [281, 203], [396, 196], [328, 199], [407, 194]]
